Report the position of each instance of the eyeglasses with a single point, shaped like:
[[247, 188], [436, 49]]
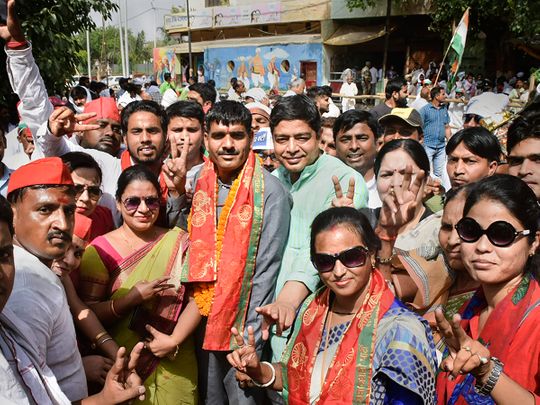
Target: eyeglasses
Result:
[[94, 192], [132, 203], [404, 131], [354, 257], [469, 117], [499, 233], [263, 156]]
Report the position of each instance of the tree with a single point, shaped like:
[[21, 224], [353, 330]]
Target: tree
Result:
[[493, 17], [105, 48], [52, 26]]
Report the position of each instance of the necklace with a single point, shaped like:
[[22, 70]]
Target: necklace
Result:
[[343, 313]]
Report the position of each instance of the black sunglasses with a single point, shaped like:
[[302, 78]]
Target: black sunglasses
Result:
[[499, 233], [468, 117], [94, 192], [354, 257], [403, 131], [132, 203]]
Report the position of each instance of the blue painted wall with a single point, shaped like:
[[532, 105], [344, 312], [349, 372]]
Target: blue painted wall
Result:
[[221, 64]]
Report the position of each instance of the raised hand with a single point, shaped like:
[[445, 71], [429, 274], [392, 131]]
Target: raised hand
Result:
[[466, 354], [175, 169], [122, 382], [63, 121], [400, 205], [244, 359], [278, 313], [145, 290], [341, 200], [12, 31], [160, 344]]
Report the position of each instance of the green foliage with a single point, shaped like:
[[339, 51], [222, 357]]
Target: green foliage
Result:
[[105, 48], [520, 18], [52, 26]]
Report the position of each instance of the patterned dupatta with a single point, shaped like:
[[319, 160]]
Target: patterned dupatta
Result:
[[348, 380], [225, 257], [498, 333], [125, 162]]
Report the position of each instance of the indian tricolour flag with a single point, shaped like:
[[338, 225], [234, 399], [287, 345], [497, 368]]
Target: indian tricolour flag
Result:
[[457, 46]]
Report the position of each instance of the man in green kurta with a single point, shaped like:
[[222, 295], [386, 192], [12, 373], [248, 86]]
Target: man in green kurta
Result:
[[307, 174]]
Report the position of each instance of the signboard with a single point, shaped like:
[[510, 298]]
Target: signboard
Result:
[[201, 18], [263, 140], [247, 15]]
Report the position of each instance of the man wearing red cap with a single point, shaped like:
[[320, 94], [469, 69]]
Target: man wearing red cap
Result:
[[108, 137], [42, 197]]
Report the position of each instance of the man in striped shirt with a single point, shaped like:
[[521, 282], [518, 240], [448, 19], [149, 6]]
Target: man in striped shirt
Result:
[[436, 129]]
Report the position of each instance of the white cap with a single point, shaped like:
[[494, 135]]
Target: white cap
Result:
[[253, 107], [256, 93]]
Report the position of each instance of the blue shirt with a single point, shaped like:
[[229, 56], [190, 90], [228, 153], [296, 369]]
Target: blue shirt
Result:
[[435, 122]]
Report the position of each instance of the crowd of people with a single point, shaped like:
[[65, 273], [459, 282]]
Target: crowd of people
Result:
[[264, 249]]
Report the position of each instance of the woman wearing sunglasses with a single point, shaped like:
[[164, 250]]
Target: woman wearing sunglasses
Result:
[[86, 175], [352, 341], [494, 344], [130, 278]]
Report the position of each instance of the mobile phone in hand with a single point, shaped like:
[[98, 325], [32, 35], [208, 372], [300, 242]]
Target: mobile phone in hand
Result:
[[3, 12]]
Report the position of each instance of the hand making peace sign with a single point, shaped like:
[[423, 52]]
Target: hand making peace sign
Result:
[[175, 168]]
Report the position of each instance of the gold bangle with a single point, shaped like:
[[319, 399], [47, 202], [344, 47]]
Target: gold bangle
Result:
[[99, 336], [172, 356], [113, 311]]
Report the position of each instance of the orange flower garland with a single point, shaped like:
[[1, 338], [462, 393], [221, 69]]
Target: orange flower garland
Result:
[[204, 292]]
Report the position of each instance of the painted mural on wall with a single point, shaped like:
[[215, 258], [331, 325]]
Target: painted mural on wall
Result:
[[268, 67], [165, 61]]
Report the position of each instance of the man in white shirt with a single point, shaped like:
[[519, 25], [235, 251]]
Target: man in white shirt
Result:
[[43, 200], [24, 376], [355, 135]]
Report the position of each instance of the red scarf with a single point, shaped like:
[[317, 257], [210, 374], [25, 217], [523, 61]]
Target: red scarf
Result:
[[504, 333], [348, 379]]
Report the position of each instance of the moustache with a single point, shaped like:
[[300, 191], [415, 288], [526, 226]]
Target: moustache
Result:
[[108, 139], [59, 235], [228, 153]]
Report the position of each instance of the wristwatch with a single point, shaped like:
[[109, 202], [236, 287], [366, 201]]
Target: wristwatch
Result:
[[496, 372]]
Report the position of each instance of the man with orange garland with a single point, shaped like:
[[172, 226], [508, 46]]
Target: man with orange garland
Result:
[[238, 227]]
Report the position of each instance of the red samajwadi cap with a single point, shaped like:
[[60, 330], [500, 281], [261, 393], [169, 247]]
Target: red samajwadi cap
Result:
[[104, 107], [82, 227], [47, 171]]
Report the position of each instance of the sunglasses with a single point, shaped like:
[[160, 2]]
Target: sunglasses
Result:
[[272, 156], [94, 192], [468, 117], [499, 233], [354, 257], [404, 131], [132, 203]]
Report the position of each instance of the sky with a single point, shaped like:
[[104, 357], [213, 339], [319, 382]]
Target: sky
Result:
[[141, 15]]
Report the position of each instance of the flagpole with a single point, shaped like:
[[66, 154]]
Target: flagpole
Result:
[[447, 50]]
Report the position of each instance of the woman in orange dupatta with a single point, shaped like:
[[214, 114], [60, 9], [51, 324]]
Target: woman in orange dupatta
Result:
[[353, 342], [494, 344], [131, 279]]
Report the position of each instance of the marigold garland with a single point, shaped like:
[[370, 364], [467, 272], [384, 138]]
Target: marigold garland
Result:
[[204, 292]]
